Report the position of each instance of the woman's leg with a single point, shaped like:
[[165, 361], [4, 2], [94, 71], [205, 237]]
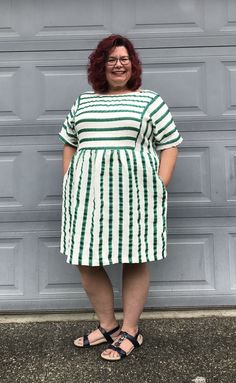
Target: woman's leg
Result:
[[134, 292], [99, 289]]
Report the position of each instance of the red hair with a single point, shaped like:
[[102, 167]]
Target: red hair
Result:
[[97, 63]]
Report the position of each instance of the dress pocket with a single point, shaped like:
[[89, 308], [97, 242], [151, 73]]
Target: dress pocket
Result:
[[67, 171], [164, 186], [69, 166]]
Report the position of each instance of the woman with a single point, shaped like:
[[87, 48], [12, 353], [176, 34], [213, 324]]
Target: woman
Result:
[[114, 189]]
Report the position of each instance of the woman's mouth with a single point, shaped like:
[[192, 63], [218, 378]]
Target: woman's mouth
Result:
[[120, 72]]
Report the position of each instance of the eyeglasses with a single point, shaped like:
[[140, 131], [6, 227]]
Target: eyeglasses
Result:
[[124, 60]]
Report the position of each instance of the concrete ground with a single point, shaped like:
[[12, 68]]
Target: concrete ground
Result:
[[199, 349]]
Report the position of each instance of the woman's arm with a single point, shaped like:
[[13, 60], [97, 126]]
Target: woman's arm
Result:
[[68, 152], [168, 159]]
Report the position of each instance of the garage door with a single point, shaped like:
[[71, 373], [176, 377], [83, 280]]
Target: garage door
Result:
[[189, 56]]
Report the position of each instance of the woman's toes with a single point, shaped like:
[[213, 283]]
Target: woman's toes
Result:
[[111, 353], [79, 342]]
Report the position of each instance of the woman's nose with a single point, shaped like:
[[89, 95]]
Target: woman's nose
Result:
[[118, 64]]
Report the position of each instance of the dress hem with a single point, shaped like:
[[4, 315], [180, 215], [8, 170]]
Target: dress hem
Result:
[[111, 263]]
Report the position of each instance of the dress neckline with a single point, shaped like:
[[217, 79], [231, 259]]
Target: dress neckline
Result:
[[118, 94]]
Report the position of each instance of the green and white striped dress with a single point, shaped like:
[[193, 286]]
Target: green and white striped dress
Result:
[[114, 204]]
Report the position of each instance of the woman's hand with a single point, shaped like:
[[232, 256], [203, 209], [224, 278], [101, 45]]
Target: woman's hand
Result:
[[68, 153], [168, 159]]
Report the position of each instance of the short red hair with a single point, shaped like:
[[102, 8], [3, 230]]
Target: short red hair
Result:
[[98, 58]]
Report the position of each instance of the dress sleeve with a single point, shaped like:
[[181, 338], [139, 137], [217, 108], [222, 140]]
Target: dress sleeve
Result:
[[68, 133], [165, 133]]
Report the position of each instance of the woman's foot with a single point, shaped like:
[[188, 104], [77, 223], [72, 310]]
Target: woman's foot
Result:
[[124, 344], [96, 336]]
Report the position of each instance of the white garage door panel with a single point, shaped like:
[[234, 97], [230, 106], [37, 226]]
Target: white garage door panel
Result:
[[188, 276], [78, 24], [32, 87], [184, 48]]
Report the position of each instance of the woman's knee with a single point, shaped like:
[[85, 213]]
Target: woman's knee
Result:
[[136, 266], [88, 274], [89, 269]]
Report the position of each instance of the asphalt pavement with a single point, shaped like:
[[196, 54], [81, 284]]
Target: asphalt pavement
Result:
[[177, 350]]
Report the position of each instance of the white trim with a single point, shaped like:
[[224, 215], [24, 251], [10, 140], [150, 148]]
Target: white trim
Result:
[[168, 314]]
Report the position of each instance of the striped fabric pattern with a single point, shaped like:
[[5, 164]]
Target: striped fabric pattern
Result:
[[114, 205]]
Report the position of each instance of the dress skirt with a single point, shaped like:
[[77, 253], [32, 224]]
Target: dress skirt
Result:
[[114, 208]]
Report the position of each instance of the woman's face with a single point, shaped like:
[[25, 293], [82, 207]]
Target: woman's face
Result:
[[118, 72]]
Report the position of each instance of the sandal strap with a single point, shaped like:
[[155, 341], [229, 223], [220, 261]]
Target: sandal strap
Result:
[[114, 330], [86, 341], [132, 339], [107, 334], [121, 352]]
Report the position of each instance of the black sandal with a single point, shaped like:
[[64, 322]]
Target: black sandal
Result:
[[106, 334], [136, 340]]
